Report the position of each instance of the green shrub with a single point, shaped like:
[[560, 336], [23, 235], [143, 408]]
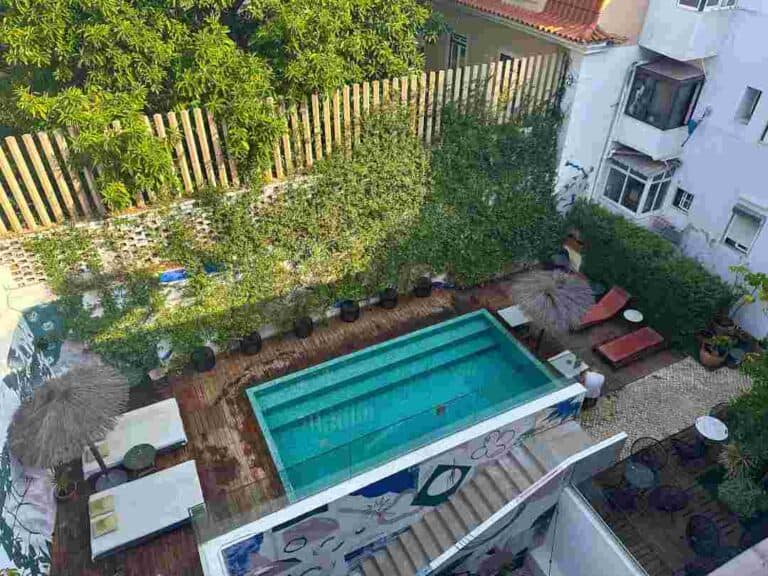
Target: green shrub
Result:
[[677, 295], [743, 496], [492, 201], [364, 220]]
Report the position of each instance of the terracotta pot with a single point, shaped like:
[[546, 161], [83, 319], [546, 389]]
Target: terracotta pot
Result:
[[710, 358], [388, 298], [303, 327], [350, 311]]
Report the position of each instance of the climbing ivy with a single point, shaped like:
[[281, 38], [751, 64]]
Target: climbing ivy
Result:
[[376, 216]]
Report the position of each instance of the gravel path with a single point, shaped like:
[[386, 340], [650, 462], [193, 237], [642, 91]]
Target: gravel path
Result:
[[663, 402]]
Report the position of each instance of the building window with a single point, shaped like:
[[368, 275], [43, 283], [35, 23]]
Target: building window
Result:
[[702, 5], [635, 191], [764, 137], [748, 104], [683, 200], [457, 51], [743, 228], [665, 102]]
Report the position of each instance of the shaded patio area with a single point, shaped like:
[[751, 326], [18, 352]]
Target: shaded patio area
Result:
[[234, 465], [675, 524]]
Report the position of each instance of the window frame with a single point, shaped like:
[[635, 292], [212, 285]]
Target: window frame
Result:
[[748, 103], [705, 6], [461, 41], [677, 85], [662, 179], [750, 214], [686, 197]]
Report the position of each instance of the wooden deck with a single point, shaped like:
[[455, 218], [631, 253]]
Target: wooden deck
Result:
[[233, 461], [234, 465]]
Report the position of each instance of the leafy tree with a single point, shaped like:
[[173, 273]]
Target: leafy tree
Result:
[[87, 63], [319, 45]]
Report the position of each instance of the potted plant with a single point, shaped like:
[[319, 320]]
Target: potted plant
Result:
[[303, 327], [713, 351], [704, 335], [388, 298], [350, 310], [64, 487], [723, 325], [251, 343], [423, 287], [203, 359]]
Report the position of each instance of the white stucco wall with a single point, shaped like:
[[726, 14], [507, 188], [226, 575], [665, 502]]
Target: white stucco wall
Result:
[[579, 544], [589, 105], [724, 163], [682, 33]]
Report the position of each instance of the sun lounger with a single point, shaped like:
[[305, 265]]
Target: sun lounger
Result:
[[630, 347], [158, 424], [609, 305], [144, 508]]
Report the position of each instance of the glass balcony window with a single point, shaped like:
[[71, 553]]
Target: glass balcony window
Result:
[[664, 94], [639, 191]]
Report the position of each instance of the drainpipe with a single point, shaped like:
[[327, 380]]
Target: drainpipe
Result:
[[616, 113]]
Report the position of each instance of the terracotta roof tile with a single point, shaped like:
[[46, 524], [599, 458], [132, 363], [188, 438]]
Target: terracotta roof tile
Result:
[[574, 20]]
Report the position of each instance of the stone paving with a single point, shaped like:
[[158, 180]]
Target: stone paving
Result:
[[663, 402]]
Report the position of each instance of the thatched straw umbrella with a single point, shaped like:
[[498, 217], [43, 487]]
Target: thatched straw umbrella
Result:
[[66, 414], [554, 299]]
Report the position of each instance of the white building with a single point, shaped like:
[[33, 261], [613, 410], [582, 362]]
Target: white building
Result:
[[642, 77], [694, 111]]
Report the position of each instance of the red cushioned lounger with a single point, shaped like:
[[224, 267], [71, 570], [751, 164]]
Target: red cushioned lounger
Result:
[[609, 305], [631, 347]]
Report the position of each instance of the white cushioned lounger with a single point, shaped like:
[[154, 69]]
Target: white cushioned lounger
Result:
[[148, 506], [158, 424]]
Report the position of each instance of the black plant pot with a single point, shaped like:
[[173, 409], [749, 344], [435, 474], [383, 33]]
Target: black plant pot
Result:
[[203, 359], [251, 344], [423, 287], [350, 310], [303, 327], [388, 298]]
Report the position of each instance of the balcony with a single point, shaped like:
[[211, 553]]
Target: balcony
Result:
[[686, 29], [661, 100]]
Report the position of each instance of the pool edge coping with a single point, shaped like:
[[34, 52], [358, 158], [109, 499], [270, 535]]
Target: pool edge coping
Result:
[[211, 552]]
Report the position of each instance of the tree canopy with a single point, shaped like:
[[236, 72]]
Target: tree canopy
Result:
[[65, 59]]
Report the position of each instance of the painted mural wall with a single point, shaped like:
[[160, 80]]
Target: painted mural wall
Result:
[[27, 506], [335, 538], [506, 541]]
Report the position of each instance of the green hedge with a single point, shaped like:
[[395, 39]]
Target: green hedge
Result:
[[677, 295]]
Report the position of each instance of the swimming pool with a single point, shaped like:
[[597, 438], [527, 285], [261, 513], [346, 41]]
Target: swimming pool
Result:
[[338, 419]]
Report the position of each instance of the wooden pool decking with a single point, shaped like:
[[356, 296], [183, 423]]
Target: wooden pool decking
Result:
[[235, 467], [224, 439]]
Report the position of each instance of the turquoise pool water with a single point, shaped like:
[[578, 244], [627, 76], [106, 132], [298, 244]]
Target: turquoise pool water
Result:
[[340, 418]]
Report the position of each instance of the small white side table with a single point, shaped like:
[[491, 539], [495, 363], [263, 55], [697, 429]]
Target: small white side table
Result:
[[568, 364], [514, 316], [711, 428]]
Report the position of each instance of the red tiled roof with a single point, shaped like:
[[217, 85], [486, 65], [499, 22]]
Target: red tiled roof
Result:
[[574, 20]]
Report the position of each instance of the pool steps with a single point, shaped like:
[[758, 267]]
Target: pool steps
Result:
[[477, 500], [362, 388], [364, 364]]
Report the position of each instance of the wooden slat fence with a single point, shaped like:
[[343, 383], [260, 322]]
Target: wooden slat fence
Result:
[[41, 186]]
